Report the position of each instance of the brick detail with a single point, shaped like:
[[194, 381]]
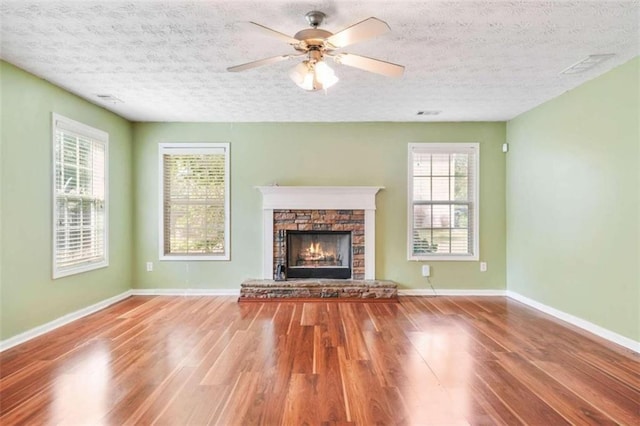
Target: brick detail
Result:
[[321, 220]]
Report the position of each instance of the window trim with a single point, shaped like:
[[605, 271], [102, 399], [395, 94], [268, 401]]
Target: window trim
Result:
[[100, 136], [445, 147], [165, 147]]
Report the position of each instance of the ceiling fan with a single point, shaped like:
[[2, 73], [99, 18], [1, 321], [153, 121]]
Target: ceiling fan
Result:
[[315, 44]]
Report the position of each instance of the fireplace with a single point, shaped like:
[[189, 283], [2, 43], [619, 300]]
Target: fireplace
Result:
[[319, 254], [319, 244], [319, 208]]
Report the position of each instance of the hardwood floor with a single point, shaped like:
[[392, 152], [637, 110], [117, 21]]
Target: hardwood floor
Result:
[[425, 360]]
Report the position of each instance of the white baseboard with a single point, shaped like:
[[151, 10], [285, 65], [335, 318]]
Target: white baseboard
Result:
[[578, 322], [185, 292], [449, 292], [59, 322]]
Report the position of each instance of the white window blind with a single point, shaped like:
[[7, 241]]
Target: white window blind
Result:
[[443, 201], [79, 197], [195, 201]]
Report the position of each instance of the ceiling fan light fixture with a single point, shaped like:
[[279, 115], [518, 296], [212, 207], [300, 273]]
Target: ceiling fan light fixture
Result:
[[313, 77], [325, 75], [302, 75]]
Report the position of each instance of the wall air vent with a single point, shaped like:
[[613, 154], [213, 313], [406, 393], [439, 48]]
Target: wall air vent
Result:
[[587, 63], [429, 112]]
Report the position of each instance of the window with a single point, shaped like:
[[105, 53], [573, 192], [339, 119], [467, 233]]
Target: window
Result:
[[443, 201], [80, 209], [194, 201]]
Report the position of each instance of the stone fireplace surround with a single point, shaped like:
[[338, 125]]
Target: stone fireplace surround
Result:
[[321, 220], [325, 207]]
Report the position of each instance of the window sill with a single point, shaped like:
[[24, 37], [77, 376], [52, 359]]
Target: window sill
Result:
[[57, 273], [437, 258], [193, 258]]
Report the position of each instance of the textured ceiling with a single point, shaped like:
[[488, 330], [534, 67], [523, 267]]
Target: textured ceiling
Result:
[[167, 60]]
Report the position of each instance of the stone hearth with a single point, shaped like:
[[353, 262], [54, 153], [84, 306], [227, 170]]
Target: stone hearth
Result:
[[325, 290]]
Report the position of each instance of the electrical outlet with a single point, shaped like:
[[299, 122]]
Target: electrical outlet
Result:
[[426, 270], [149, 266], [483, 266]]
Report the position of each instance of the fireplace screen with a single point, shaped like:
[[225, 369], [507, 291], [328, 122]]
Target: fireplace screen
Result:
[[318, 254]]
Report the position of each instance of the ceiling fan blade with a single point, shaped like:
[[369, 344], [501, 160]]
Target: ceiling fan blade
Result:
[[369, 28], [370, 64], [273, 33], [259, 63]]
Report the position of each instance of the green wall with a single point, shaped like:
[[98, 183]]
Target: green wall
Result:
[[319, 154], [572, 202], [28, 295]]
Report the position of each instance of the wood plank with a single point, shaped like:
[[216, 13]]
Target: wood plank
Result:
[[237, 404], [363, 394], [597, 391], [491, 409], [425, 360], [573, 408], [355, 346], [520, 399]]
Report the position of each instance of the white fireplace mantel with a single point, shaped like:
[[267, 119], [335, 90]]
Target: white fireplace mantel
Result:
[[320, 198]]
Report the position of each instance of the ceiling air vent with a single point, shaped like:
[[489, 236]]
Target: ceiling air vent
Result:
[[587, 63], [110, 98], [432, 112]]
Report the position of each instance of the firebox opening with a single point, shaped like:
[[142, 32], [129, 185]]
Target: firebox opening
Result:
[[319, 254]]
